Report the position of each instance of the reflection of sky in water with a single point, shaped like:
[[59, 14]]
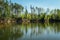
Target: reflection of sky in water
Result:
[[32, 31], [38, 31]]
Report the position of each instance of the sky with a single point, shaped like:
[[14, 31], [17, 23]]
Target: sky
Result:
[[52, 4]]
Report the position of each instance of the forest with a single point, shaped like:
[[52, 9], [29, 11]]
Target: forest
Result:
[[16, 13]]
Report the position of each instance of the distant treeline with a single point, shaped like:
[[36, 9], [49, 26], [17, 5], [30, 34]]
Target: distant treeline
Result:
[[15, 11]]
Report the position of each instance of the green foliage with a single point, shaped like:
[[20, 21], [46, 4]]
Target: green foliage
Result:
[[15, 10]]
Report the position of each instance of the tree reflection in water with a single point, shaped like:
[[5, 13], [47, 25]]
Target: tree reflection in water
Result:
[[9, 32], [31, 30]]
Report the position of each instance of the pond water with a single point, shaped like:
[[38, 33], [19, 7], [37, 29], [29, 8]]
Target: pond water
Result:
[[30, 31]]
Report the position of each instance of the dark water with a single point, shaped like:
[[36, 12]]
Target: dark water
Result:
[[30, 31]]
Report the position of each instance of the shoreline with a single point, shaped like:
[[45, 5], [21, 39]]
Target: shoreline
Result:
[[27, 21]]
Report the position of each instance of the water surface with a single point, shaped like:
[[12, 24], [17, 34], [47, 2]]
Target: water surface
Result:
[[30, 31]]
